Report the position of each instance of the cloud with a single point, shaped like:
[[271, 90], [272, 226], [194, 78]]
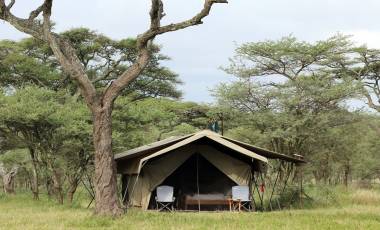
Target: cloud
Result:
[[366, 37]]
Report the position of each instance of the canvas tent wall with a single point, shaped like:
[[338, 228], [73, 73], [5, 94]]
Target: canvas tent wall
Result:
[[156, 171], [147, 167]]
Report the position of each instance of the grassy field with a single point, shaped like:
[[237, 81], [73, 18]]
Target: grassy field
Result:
[[357, 210]]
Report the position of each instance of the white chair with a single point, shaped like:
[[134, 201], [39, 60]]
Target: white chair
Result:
[[240, 197], [165, 198]]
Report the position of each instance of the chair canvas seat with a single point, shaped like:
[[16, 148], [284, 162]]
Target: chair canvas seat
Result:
[[240, 197], [165, 198]]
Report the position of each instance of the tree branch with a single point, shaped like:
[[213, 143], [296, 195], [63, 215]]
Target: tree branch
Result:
[[11, 4], [34, 14], [71, 64], [2, 169], [109, 71], [370, 102], [61, 48], [23, 25], [196, 20], [156, 14], [67, 56]]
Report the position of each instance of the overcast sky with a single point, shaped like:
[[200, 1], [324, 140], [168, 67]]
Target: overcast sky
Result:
[[198, 52]]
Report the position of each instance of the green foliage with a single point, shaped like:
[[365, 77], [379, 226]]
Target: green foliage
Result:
[[54, 128], [149, 120], [287, 57], [42, 108], [14, 157], [19, 68], [290, 96], [106, 59], [320, 196], [32, 62]]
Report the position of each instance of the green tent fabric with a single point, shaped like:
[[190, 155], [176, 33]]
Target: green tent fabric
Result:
[[238, 171]]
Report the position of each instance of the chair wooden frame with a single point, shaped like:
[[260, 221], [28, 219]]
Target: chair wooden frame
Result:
[[241, 199]]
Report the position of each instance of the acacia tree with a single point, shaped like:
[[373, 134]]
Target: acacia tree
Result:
[[99, 102], [308, 85], [295, 113]]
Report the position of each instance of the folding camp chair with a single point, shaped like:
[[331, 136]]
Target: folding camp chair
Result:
[[165, 198], [240, 198]]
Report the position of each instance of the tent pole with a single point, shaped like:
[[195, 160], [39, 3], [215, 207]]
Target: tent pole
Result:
[[252, 190], [258, 192], [289, 171], [274, 186], [126, 189], [134, 184], [301, 186], [264, 189], [199, 202], [287, 177], [133, 188]]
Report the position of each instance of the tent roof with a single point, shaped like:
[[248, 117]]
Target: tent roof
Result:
[[149, 147], [267, 153], [213, 136], [161, 147]]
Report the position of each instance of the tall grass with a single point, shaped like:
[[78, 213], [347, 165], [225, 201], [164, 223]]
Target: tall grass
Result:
[[366, 197], [332, 208]]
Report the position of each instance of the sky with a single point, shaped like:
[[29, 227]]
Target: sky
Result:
[[198, 53]]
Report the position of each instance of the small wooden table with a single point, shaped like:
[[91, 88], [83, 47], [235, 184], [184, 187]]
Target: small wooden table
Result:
[[204, 199]]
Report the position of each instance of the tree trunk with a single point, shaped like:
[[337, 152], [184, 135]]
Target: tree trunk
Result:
[[70, 195], [8, 179], [106, 200], [48, 184], [35, 179], [346, 175], [8, 182], [73, 185], [57, 186], [56, 178]]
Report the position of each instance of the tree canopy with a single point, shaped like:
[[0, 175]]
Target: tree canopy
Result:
[[292, 97]]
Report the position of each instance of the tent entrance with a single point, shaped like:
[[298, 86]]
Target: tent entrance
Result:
[[198, 176]]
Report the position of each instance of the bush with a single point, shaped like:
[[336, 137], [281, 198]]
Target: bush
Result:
[[291, 198], [313, 196]]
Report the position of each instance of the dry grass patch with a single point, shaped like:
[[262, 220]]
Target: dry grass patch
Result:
[[365, 197]]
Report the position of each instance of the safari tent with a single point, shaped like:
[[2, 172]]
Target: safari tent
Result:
[[204, 165]]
